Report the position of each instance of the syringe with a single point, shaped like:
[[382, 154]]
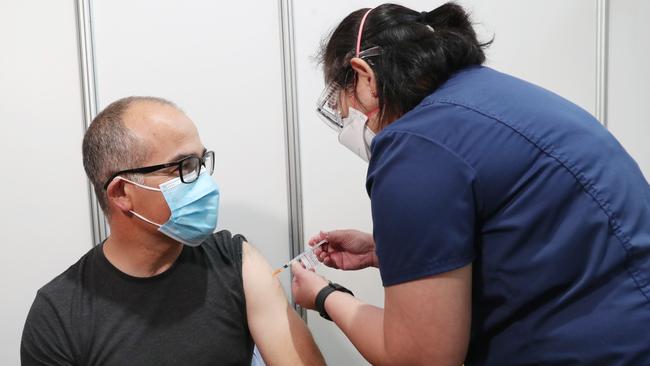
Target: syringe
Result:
[[307, 258]]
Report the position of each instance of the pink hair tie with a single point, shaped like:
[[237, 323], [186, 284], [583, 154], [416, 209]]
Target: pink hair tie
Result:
[[363, 21]]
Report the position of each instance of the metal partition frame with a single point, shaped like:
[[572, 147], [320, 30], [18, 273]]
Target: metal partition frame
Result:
[[85, 44], [292, 132]]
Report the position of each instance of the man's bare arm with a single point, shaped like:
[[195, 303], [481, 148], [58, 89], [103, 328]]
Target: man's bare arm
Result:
[[279, 333]]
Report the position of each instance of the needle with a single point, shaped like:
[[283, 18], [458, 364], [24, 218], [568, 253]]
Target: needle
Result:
[[286, 265]]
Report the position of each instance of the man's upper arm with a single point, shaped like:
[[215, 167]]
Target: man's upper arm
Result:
[[427, 321], [44, 340], [279, 333]]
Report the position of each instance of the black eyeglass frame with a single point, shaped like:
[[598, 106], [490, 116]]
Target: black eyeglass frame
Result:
[[153, 168]]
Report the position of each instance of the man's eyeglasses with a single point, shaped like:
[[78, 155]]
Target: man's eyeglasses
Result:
[[188, 168]]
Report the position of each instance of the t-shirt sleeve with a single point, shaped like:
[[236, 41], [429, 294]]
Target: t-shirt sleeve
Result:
[[44, 340], [423, 207], [229, 247]]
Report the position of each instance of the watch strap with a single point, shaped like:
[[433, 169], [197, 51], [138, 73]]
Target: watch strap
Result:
[[323, 294]]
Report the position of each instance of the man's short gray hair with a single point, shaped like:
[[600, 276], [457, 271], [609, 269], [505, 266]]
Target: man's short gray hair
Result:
[[109, 146]]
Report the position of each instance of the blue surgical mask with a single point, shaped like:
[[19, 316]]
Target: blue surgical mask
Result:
[[194, 209]]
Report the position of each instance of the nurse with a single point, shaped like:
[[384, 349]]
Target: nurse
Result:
[[510, 227]]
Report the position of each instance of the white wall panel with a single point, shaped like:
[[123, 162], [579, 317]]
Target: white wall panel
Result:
[[44, 223], [629, 77], [220, 62], [551, 43]]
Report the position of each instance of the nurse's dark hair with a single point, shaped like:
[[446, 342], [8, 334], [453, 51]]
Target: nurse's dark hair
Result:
[[420, 51]]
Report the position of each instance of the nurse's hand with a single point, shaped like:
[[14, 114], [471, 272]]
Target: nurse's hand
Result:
[[346, 249], [306, 285]]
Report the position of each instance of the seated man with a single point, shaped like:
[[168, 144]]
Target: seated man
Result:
[[162, 289]]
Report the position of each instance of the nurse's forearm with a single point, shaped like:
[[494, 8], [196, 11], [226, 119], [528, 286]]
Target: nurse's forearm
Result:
[[363, 324]]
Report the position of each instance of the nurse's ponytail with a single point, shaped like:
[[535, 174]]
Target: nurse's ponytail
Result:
[[449, 16], [420, 51]]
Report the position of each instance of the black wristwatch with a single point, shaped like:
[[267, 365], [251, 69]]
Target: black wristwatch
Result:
[[324, 293]]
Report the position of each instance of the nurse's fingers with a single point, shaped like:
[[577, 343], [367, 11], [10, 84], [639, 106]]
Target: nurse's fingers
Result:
[[321, 249], [329, 262], [316, 238]]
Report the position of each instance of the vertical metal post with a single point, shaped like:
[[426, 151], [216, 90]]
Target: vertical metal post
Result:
[[85, 44], [292, 136], [602, 49]]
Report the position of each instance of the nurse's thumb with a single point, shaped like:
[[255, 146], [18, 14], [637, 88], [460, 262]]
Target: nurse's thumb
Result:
[[336, 236], [339, 239], [297, 269]]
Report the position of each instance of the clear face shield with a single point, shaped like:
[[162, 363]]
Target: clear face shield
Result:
[[328, 106]]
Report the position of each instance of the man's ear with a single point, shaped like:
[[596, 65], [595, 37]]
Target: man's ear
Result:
[[117, 197], [365, 74]]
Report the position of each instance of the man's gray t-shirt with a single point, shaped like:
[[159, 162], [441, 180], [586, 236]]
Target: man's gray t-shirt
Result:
[[192, 314]]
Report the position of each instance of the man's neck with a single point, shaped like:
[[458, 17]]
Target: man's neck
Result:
[[141, 257]]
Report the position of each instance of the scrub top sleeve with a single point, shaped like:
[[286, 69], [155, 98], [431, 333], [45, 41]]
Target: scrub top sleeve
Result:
[[423, 207]]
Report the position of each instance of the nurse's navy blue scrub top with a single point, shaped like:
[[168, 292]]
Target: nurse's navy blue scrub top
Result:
[[549, 208]]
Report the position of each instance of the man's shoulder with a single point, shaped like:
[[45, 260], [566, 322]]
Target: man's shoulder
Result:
[[225, 237], [49, 323], [62, 285], [225, 246]]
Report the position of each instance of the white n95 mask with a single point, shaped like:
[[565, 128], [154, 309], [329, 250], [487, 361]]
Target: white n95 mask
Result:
[[355, 135]]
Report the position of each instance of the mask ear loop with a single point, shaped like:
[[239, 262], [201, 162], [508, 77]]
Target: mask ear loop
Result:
[[144, 219], [138, 184], [144, 187]]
